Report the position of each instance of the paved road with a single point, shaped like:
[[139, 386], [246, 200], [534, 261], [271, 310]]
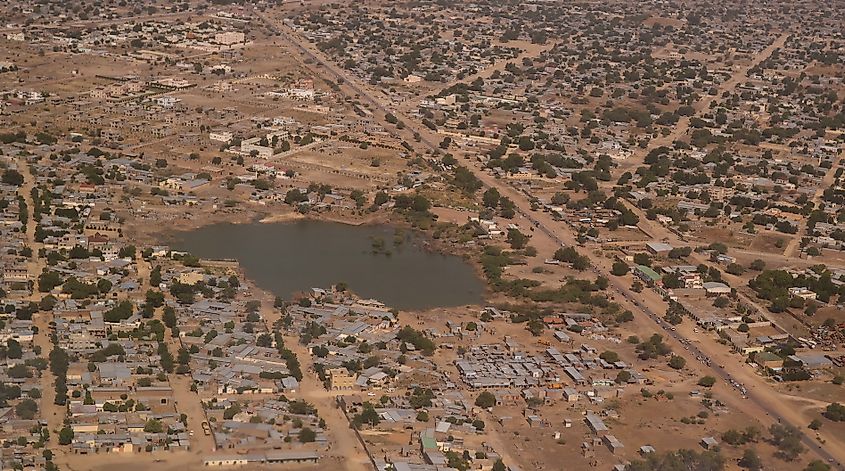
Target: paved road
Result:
[[558, 231]]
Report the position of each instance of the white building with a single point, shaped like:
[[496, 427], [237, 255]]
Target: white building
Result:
[[221, 136], [252, 145]]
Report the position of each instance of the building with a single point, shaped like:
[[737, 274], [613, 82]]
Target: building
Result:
[[221, 136], [595, 423], [269, 457], [802, 292], [716, 288], [768, 360], [250, 146], [229, 38], [613, 444], [658, 248], [709, 443], [812, 361], [341, 379], [647, 274]]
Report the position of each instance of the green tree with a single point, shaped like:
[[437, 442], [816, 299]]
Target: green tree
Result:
[[516, 239], [788, 441], [169, 317], [707, 381], [66, 435], [619, 268], [485, 400], [13, 349], [835, 412], [155, 298], [679, 460], [491, 198], [609, 356], [26, 409], [677, 362], [367, 416], [12, 177], [306, 435], [153, 426]]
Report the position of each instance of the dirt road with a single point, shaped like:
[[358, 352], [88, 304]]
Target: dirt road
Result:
[[682, 126], [562, 235], [828, 179], [52, 413], [344, 450]]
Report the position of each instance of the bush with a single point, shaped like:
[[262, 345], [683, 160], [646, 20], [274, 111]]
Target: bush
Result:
[[788, 441], [707, 381], [750, 460], [817, 465], [835, 412], [677, 362]]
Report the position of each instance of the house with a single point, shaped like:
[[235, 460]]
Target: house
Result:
[[709, 443], [595, 423], [341, 379], [273, 456], [289, 384], [221, 136], [562, 336], [802, 292], [571, 394], [716, 288], [768, 360], [658, 248], [506, 398], [612, 444]]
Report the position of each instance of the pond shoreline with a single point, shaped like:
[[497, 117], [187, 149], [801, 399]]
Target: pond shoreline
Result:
[[387, 262]]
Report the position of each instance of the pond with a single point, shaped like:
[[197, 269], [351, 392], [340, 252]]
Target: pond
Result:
[[375, 261]]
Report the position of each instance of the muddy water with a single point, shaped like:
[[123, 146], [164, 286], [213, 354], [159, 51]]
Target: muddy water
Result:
[[374, 261]]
